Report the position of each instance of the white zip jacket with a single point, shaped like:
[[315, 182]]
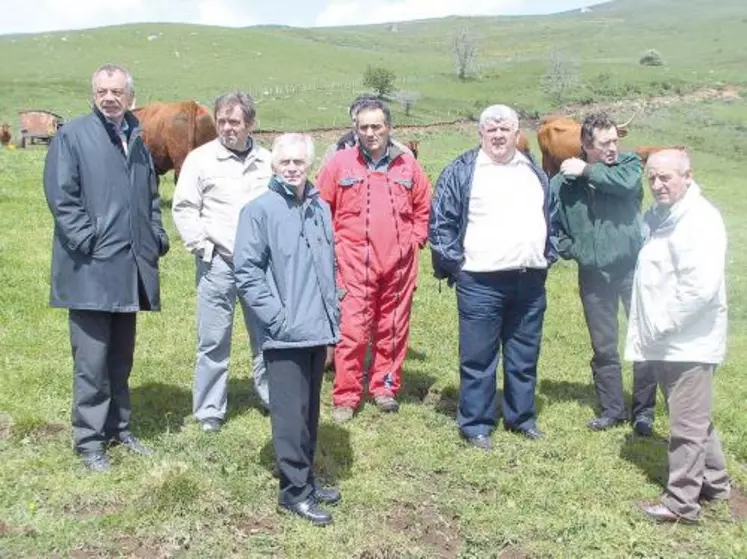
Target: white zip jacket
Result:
[[678, 309], [214, 185]]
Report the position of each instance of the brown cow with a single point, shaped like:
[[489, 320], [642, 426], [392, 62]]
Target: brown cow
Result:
[[559, 139], [4, 134], [172, 130]]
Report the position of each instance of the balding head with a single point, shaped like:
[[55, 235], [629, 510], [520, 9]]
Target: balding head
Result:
[[669, 174]]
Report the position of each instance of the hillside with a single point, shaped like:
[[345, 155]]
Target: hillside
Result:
[[306, 77]]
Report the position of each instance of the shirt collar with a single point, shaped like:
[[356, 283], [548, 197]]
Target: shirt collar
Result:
[[222, 152], [483, 159]]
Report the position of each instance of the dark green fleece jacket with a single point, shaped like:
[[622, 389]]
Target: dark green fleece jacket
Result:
[[598, 222]]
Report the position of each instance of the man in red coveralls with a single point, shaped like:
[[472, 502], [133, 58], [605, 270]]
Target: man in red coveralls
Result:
[[380, 201]]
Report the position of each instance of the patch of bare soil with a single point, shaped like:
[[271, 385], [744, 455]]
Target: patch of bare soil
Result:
[[431, 529], [7, 530], [738, 504], [256, 525], [514, 552], [6, 424], [86, 506], [131, 547]]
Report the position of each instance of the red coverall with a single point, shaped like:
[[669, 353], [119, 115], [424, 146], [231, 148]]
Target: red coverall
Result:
[[380, 221]]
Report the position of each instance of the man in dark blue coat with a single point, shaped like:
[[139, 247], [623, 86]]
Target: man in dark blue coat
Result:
[[489, 233], [102, 191]]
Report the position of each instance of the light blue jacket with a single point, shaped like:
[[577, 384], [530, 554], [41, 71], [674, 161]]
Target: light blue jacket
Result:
[[284, 263]]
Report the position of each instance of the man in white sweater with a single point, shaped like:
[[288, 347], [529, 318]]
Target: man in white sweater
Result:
[[217, 180], [677, 324]]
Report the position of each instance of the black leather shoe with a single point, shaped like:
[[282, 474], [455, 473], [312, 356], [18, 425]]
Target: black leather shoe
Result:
[[96, 461], [534, 433], [327, 495], [643, 426], [483, 442], [133, 445], [308, 510], [603, 423]]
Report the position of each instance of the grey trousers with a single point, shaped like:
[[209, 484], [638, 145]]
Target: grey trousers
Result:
[[216, 303], [103, 345], [696, 462], [600, 298]]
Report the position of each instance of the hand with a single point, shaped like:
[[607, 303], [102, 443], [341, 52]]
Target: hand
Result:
[[330, 358], [573, 167]]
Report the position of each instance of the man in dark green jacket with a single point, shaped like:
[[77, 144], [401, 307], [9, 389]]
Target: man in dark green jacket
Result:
[[598, 225]]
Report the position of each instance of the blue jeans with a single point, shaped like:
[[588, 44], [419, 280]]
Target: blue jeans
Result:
[[216, 303], [499, 310]]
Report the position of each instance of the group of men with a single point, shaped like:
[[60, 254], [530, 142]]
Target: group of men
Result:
[[495, 226]]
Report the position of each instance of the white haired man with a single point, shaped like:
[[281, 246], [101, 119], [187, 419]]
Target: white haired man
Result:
[[678, 319], [285, 268], [217, 180], [490, 235]]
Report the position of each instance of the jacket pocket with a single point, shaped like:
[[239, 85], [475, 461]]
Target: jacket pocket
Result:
[[350, 194], [402, 189]]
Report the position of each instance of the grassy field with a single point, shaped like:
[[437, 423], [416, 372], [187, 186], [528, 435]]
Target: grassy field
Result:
[[307, 77], [411, 488]]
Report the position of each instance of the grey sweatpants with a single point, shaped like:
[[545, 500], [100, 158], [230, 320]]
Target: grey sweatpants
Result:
[[216, 303]]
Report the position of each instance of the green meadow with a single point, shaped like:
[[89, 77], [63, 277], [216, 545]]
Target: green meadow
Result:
[[411, 488]]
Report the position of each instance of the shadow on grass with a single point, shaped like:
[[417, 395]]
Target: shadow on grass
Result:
[[334, 455], [416, 386], [569, 391], [242, 397], [159, 408], [648, 454]]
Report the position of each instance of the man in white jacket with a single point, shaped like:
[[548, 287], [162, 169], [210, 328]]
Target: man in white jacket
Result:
[[677, 324], [217, 180]]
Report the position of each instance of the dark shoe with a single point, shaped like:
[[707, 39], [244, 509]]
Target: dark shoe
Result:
[[483, 442], [133, 445], [96, 461], [534, 433], [210, 424], [643, 426], [603, 423], [327, 495], [660, 513], [387, 404], [308, 510]]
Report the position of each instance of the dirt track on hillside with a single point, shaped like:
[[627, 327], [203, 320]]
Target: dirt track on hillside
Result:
[[621, 109]]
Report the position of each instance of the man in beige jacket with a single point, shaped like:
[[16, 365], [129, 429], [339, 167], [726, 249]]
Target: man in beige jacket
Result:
[[217, 180]]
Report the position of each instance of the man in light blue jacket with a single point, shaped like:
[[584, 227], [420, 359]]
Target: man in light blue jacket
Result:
[[284, 263]]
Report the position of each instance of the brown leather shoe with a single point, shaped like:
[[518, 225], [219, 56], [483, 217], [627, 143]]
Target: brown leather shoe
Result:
[[659, 513]]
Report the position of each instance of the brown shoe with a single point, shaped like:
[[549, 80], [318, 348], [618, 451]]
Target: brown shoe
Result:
[[341, 414], [660, 513], [387, 404]]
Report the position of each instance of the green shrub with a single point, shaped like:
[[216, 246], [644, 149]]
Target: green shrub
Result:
[[651, 58], [379, 79]]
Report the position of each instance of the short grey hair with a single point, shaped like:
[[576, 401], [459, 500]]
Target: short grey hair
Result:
[[110, 69], [498, 113], [288, 139], [679, 156], [240, 98]]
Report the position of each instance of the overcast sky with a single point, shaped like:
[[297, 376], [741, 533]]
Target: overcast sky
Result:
[[32, 16]]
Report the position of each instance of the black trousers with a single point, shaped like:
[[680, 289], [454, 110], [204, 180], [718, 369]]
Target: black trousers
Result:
[[103, 345], [600, 297], [295, 381]]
